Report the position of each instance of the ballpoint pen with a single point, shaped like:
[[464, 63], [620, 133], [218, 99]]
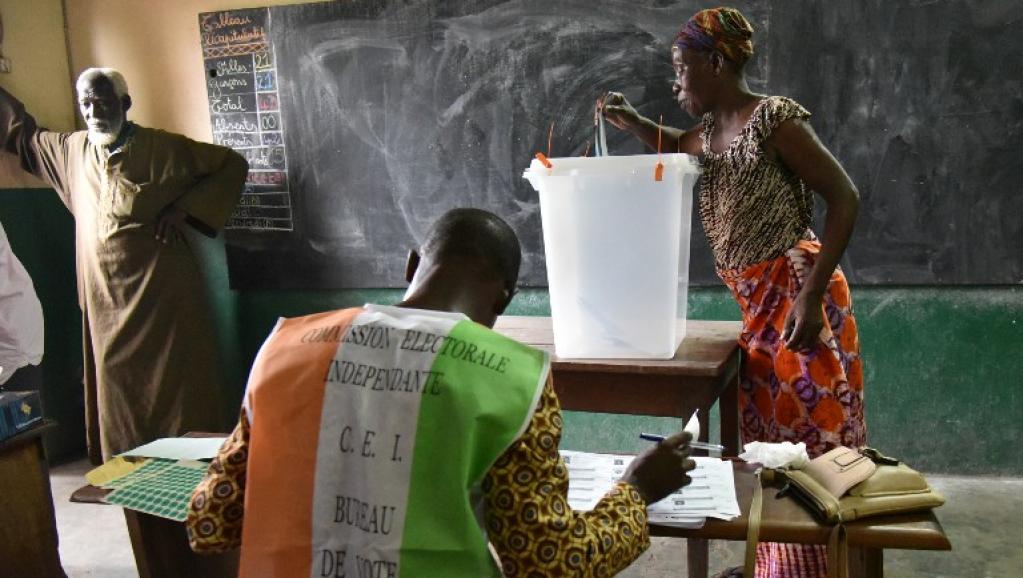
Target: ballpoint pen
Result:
[[697, 445]]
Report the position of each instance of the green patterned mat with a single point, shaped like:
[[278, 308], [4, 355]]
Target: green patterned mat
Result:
[[161, 488]]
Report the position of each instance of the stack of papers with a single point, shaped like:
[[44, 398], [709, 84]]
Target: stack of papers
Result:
[[710, 495]]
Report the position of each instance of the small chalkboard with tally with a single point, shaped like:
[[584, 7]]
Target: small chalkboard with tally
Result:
[[245, 113]]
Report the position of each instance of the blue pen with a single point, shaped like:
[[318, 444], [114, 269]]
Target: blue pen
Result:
[[693, 444]]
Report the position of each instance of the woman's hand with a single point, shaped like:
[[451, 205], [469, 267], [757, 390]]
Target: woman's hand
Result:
[[617, 110], [804, 322], [802, 152], [622, 115]]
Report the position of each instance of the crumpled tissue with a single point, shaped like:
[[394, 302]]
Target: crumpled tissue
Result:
[[775, 455]]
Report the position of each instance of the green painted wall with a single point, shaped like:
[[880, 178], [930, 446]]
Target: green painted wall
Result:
[[42, 235], [944, 366]]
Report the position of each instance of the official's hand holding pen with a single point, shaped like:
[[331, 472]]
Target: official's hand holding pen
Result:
[[662, 469], [696, 445]]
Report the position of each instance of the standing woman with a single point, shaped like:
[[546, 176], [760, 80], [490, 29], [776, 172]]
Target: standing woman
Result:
[[803, 379]]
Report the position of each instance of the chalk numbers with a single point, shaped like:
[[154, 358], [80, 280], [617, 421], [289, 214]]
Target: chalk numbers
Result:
[[269, 122], [263, 60], [277, 157]]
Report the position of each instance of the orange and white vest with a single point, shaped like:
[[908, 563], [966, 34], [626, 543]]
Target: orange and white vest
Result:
[[371, 431]]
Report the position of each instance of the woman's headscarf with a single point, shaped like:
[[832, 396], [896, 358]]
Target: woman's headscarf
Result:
[[723, 29]]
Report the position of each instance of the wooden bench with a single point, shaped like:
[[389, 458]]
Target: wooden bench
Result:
[[785, 520]]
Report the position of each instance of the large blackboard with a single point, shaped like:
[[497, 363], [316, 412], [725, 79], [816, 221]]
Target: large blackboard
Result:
[[395, 111]]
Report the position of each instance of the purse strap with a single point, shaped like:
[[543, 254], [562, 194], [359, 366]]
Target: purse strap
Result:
[[838, 540], [879, 458], [838, 552], [753, 527]]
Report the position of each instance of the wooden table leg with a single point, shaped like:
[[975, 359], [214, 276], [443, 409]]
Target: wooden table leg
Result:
[[139, 546], [728, 408], [866, 562], [704, 418], [697, 554], [161, 550]]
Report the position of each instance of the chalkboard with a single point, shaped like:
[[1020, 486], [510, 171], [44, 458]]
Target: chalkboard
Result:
[[390, 112]]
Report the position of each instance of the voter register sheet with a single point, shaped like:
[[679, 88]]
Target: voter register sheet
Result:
[[710, 495]]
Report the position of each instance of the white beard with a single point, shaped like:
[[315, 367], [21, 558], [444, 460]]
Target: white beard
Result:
[[105, 137]]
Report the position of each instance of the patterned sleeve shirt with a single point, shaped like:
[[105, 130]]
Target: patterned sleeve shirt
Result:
[[529, 523]]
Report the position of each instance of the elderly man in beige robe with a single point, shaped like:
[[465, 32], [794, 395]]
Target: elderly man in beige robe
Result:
[[149, 345]]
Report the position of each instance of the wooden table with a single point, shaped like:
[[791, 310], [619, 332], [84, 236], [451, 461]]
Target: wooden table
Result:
[[161, 546], [784, 520], [28, 529], [704, 370]]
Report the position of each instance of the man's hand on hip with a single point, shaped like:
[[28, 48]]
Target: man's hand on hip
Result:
[[170, 224]]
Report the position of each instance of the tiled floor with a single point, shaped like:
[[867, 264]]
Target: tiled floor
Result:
[[983, 519], [93, 538]]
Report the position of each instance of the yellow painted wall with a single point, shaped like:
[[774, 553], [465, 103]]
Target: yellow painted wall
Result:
[[155, 44], [33, 42]]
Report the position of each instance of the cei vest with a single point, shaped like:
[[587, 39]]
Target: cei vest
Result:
[[371, 431]]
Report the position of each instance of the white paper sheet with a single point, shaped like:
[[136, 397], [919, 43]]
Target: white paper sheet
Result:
[[710, 495], [179, 448]]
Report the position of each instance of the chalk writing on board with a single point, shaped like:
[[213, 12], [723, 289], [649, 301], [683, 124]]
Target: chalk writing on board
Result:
[[233, 30], [398, 110], [235, 123], [241, 85], [237, 139], [271, 138], [268, 178], [266, 80]]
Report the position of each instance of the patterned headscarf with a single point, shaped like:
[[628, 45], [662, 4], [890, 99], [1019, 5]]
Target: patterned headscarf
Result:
[[723, 29]]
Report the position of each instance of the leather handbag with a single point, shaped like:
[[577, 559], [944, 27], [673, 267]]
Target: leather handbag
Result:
[[885, 486], [891, 487], [840, 469]]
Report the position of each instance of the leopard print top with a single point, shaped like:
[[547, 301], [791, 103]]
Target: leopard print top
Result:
[[753, 208]]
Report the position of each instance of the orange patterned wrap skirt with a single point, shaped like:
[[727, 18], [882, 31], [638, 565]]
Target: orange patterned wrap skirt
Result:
[[814, 397]]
